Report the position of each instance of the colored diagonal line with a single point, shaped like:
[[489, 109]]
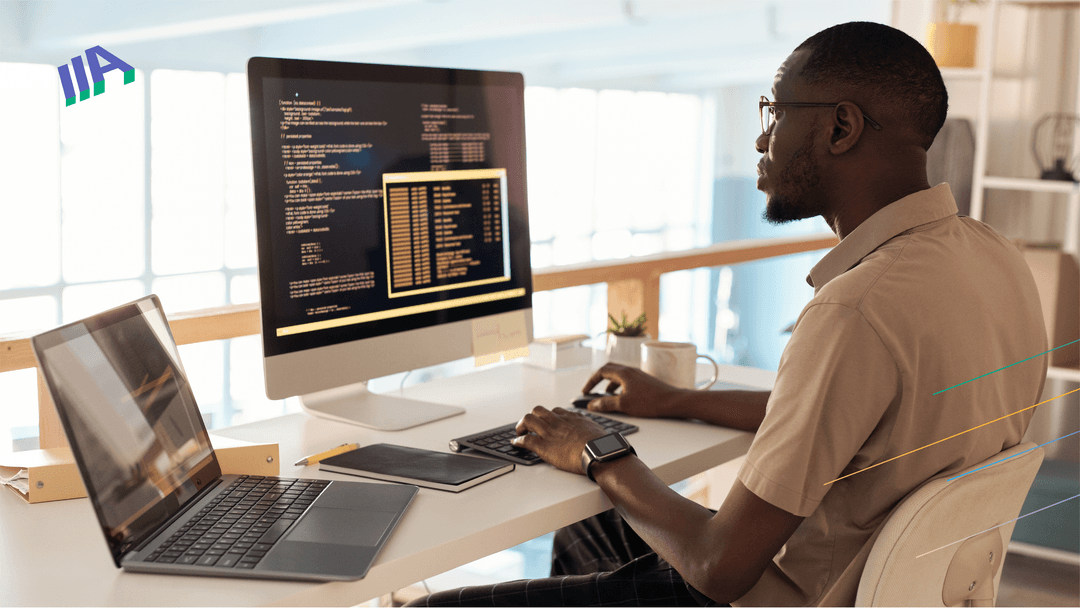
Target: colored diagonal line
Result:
[[1013, 456], [999, 525], [949, 437], [1006, 367]]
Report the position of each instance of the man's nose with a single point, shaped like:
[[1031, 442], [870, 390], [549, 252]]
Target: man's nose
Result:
[[761, 144]]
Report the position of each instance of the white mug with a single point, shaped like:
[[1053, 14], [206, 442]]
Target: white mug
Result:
[[674, 363]]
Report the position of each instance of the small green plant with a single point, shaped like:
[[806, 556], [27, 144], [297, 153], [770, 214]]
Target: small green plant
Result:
[[627, 328]]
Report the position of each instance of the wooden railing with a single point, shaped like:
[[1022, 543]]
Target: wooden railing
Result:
[[633, 288]]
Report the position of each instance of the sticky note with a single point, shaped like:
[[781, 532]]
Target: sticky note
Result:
[[498, 337]]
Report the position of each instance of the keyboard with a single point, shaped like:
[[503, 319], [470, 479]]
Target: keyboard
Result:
[[496, 441], [241, 524]]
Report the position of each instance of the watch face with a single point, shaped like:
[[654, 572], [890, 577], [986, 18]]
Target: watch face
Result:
[[607, 444]]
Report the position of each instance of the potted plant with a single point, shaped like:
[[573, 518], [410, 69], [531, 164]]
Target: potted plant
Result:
[[951, 43], [625, 339]]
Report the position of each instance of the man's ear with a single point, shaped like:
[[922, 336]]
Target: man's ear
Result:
[[847, 127]]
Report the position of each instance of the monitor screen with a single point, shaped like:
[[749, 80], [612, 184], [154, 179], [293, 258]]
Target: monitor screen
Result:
[[389, 200]]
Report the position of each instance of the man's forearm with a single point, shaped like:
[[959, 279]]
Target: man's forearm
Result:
[[669, 523], [676, 528], [743, 410]]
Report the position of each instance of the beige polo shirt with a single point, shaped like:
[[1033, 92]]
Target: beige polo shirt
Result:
[[915, 300]]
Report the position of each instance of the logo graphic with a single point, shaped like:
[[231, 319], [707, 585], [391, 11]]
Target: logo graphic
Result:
[[94, 56]]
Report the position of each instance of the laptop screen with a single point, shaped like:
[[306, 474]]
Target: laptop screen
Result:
[[130, 417]]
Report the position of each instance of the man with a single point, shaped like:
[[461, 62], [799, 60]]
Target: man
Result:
[[912, 301]]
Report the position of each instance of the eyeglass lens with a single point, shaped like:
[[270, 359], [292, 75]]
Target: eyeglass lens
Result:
[[765, 114]]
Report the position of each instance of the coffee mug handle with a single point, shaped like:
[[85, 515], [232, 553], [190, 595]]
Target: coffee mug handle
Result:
[[716, 373]]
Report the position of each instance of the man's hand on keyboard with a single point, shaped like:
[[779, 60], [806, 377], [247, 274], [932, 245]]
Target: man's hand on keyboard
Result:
[[558, 436], [642, 395]]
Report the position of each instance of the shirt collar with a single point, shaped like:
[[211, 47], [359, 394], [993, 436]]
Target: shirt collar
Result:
[[900, 216]]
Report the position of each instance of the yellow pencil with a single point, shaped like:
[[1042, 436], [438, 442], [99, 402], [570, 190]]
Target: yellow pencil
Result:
[[341, 449]]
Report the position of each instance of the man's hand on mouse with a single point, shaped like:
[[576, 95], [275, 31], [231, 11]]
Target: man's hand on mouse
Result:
[[558, 436], [642, 395]]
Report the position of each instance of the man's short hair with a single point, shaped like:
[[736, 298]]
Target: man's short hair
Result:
[[886, 64]]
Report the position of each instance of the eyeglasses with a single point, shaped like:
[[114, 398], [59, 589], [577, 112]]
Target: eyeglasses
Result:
[[768, 117]]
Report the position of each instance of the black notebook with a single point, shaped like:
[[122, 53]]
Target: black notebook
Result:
[[425, 468]]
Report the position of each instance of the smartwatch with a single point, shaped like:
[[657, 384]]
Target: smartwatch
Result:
[[604, 449]]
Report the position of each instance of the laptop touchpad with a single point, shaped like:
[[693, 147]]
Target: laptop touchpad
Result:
[[342, 527]]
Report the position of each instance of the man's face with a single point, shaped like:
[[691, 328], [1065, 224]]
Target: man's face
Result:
[[788, 172]]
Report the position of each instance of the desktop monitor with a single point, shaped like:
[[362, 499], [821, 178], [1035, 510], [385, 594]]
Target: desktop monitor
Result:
[[390, 214]]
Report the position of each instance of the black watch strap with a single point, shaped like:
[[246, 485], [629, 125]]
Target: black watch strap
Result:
[[593, 453]]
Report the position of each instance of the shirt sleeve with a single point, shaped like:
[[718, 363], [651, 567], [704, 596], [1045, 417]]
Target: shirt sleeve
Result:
[[836, 380]]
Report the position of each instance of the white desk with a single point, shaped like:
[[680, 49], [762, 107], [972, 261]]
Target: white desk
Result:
[[54, 553]]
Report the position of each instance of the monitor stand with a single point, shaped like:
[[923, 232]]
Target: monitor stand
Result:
[[355, 404]]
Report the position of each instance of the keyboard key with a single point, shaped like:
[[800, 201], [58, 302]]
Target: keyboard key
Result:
[[226, 561]]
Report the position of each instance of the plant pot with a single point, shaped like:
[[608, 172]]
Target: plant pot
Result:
[[625, 349], [952, 45]]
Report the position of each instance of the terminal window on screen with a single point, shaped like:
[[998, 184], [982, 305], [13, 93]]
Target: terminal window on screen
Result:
[[393, 207]]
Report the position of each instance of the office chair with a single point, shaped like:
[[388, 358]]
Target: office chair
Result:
[[909, 563]]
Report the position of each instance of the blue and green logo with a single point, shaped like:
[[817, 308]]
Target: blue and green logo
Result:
[[94, 57]]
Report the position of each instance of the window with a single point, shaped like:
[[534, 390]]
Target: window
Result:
[[613, 174], [145, 190]]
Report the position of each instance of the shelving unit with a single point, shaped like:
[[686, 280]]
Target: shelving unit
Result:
[[1056, 192], [981, 181]]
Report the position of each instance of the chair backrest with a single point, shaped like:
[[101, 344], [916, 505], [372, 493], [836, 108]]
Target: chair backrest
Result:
[[916, 560]]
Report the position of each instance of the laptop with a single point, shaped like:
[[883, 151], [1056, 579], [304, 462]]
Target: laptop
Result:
[[151, 474]]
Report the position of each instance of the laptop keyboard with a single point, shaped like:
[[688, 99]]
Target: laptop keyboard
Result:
[[241, 524], [496, 441]]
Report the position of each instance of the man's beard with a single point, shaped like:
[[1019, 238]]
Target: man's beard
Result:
[[789, 202]]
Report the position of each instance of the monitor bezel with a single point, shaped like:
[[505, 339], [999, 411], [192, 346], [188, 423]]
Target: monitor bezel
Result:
[[297, 365]]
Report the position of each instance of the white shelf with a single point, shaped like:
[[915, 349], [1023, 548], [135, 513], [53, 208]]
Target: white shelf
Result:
[[1063, 373], [1035, 3], [964, 73], [1030, 185], [981, 182]]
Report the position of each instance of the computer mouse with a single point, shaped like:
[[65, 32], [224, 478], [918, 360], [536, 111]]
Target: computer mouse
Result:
[[583, 401]]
